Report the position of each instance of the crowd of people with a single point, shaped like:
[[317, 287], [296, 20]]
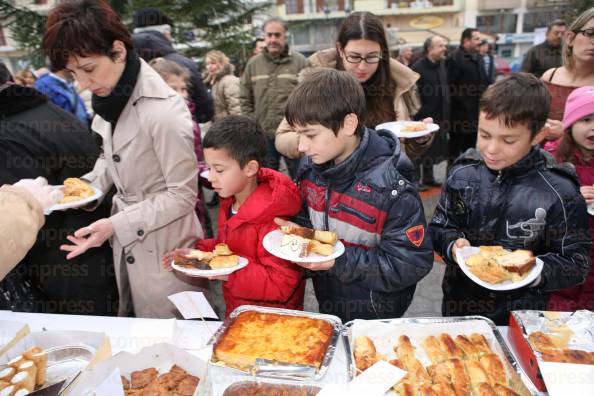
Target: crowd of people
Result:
[[519, 153]]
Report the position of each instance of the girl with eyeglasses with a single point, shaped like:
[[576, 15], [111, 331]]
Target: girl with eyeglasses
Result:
[[577, 71], [390, 95]]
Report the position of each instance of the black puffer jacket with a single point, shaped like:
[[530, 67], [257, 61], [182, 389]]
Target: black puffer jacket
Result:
[[379, 216], [152, 44], [534, 205]]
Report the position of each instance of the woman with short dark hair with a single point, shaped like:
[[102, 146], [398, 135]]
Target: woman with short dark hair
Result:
[[147, 154]]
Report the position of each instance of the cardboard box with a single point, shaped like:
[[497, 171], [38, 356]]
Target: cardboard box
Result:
[[160, 356]]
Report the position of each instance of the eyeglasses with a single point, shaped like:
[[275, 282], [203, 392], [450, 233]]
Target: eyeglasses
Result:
[[589, 33], [370, 60]]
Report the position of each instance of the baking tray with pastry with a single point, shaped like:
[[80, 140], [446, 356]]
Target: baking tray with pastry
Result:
[[276, 343], [221, 261], [303, 245], [495, 268], [556, 349], [443, 356], [77, 193]]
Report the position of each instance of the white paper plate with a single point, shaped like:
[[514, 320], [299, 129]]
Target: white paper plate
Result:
[[396, 126], [214, 272], [272, 243], [75, 204], [462, 254], [591, 209], [204, 174]]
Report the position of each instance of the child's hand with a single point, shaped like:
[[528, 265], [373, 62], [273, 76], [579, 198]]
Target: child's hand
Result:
[[323, 266], [168, 257], [426, 138], [588, 193], [283, 222], [459, 244]]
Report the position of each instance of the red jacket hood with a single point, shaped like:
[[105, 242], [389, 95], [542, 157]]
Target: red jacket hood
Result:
[[275, 196]]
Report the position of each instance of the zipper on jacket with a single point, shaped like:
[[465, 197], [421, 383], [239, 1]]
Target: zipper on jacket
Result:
[[327, 198], [354, 212], [498, 180]]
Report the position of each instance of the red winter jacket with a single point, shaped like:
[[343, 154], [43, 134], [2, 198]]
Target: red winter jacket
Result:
[[580, 296], [267, 280]]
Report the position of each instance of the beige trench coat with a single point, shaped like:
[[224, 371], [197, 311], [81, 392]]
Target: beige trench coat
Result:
[[150, 160]]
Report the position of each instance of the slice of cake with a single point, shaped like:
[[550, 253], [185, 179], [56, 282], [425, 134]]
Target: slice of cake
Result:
[[295, 246], [518, 261]]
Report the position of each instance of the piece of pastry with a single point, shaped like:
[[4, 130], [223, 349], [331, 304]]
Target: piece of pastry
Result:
[[491, 273], [476, 374], [16, 362], [501, 390], [470, 350], [29, 367], [187, 386], [155, 388], [10, 390], [23, 380], [320, 248], [451, 371], [406, 353], [327, 237], [224, 261], [438, 389], [567, 356], [404, 388], [448, 345], [37, 355], [484, 389], [481, 343], [494, 368], [221, 249], [303, 232], [295, 246], [75, 189], [141, 378], [7, 373], [541, 341], [125, 382], [518, 261], [433, 349], [21, 392], [187, 261], [365, 353]]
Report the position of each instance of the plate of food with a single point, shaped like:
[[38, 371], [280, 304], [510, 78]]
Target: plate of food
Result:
[[221, 261], [303, 245], [77, 193], [496, 268], [409, 129]]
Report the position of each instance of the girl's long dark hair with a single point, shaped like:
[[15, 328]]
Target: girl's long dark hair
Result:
[[380, 88], [567, 147]]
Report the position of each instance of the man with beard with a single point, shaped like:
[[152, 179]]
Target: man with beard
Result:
[[435, 102], [267, 82]]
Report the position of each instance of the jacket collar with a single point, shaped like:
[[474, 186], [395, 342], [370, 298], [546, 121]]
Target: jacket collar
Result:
[[16, 98], [403, 76], [275, 196], [535, 159], [283, 58]]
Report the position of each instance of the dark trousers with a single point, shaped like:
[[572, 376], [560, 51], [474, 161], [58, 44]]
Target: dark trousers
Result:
[[459, 143]]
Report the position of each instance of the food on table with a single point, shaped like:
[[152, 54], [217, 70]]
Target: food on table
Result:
[[299, 242], [250, 388], [460, 365], [75, 189], [24, 373], [413, 127], [220, 257], [554, 349], [176, 382], [277, 337], [494, 264]]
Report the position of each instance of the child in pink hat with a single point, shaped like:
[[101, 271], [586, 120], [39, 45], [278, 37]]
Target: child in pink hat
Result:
[[577, 147]]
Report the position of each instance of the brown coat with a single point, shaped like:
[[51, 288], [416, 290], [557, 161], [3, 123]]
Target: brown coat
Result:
[[21, 217], [224, 88], [150, 160], [406, 103]]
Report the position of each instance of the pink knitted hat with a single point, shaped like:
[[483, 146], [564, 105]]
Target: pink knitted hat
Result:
[[580, 103]]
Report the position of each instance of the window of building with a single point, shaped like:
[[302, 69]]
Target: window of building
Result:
[[418, 3], [300, 35], [537, 19], [500, 23]]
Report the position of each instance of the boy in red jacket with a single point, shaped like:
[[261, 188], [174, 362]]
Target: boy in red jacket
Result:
[[251, 197]]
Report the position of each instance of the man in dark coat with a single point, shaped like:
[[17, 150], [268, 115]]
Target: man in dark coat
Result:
[[37, 138], [152, 39], [435, 102], [546, 55], [468, 80]]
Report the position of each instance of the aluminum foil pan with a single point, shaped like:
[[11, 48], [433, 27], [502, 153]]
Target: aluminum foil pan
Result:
[[501, 348], [271, 387], [270, 369]]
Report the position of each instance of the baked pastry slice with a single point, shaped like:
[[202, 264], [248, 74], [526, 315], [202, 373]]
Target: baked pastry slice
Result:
[[467, 346], [433, 349], [327, 237], [320, 248], [406, 353], [541, 341], [448, 345], [476, 373], [224, 261], [480, 342], [221, 249], [494, 368], [365, 353]]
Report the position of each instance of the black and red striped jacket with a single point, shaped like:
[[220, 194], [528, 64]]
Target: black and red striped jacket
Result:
[[379, 216]]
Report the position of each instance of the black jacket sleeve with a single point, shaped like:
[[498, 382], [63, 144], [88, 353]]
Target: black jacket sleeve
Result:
[[444, 227], [568, 244], [395, 263]]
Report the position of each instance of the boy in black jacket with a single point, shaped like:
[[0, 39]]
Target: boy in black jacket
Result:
[[512, 194], [350, 185]]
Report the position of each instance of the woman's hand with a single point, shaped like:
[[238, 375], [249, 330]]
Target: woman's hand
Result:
[[168, 257], [459, 244], [88, 237], [588, 193], [285, 223], [426, 138], [323, 266]]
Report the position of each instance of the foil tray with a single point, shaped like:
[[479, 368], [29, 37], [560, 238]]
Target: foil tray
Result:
[[270, 369]]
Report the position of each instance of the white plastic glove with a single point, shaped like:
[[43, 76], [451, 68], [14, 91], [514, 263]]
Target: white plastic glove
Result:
[[41, 191]]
